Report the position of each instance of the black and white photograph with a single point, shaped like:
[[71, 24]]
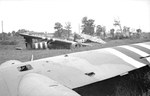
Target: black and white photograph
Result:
[[74, 47]]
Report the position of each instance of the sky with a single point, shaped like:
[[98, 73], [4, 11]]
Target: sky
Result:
[[41, 15]]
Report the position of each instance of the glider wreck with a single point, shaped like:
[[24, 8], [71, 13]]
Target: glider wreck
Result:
[[34, 40], [92, 38], [102, 72]]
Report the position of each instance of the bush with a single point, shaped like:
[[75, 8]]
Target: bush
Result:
[[6, 42]]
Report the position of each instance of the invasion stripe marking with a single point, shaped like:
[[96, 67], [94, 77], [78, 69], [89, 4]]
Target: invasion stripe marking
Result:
[[45, 44], [143, 45], [125, 58], [131, 54], [141, 48], [141, 53], [41, 45], [36, 45]]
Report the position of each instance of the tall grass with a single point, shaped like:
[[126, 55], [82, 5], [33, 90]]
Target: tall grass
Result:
[[8, 42]]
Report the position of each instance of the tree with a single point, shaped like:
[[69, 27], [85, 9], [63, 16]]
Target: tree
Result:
[[101, 31], [117, 23], [13, 33], [67, 30], [88, 26], [98, 30], [58, 26], [104, 31], [22, 31], [138, 32], [112, 33], [119, 33], [61, 32], [64, 34], [84, 20], [9, 34], [126, 31], [3, 36]]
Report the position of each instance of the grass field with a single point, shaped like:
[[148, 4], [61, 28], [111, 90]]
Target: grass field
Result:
[[9, 52]]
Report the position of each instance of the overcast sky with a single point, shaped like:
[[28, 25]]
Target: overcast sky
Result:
[[41, 15]]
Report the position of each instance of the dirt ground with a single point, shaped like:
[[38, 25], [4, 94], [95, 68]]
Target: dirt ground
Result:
[[9, 52]]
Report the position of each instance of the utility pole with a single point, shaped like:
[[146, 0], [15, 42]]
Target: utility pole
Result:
[[2, 26], [2, 31]]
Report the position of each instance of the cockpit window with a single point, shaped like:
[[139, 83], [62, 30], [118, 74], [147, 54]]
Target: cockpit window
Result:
[[25, 68]]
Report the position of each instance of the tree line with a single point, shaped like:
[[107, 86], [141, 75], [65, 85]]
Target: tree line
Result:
[[87, 27]]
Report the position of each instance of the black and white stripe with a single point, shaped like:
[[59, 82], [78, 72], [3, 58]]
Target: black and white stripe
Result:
[[40, 45]]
